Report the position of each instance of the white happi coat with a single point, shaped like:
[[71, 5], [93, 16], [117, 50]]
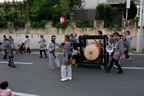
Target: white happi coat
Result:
[[42, 43], [52, 46], [27, 43]]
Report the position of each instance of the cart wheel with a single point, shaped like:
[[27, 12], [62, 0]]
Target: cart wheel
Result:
[[76, 65], [102, 67]]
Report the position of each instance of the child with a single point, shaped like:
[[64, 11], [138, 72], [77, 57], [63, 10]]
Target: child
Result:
[[21, 48], [4, 91]]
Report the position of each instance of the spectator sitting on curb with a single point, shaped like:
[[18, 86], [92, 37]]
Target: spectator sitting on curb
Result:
[[4, 89]]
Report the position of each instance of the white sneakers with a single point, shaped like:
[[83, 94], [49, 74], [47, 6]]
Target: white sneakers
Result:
[[69, 78], [65, 79], [115, 66]]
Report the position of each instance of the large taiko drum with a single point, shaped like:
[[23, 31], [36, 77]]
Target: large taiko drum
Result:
[[93, 51]]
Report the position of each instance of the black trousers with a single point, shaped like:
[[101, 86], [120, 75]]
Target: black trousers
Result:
[[11, 63], [116, 63], [28, 50], [44, 53]]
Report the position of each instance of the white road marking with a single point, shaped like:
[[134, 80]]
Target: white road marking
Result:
[[62, 53], [25, 63], [23, 94], [34, 53], [137, 54], [134, 68], [39, 53]]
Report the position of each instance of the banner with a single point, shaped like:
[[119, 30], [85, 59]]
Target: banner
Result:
[[128, 4]]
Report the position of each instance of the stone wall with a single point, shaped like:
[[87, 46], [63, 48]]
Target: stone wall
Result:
[[34, 38], [132, 26], [19, 38], [19, 34]]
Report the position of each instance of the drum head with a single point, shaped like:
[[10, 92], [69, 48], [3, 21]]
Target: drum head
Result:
[[91, 52]]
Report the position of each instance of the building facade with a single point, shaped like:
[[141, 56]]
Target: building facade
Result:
[[89, 10]]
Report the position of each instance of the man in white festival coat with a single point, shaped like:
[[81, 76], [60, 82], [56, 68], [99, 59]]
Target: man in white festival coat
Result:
[[52, 53]]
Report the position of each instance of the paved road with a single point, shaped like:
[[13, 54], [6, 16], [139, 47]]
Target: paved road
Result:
[[36, 78]]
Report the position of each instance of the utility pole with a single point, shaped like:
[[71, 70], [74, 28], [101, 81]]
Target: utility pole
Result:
[[140, 29], [127, 7], [28, 9]]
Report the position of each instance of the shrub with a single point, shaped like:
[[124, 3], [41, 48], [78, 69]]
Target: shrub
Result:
[[38, 24], [106, 12]]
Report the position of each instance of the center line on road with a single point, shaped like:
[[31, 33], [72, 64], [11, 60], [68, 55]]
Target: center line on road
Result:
[[23, 94], [136, 68], [35, 53], [17, 63], [136, 54]]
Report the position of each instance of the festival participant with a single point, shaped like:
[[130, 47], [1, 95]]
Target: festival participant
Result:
[[129, 37], [112, 40], [73, 39], [10, 48], [118, 52], [127, 47], [4, 48], [42, 43], [100, 41], [27, 44], [52, 52], [75, 35], [66, 70], [4, 89]]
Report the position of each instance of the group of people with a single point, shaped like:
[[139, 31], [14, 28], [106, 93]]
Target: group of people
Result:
[[66, 71], [8, 47], [67, 45], [122, 47]]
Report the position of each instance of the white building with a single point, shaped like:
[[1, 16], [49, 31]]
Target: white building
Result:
[[91, 4], [9, 0], [88, 11]]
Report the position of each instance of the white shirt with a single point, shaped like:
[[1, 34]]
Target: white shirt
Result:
[[27, 43]]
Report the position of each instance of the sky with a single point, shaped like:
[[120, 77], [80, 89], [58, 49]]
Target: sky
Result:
[[10, 0]]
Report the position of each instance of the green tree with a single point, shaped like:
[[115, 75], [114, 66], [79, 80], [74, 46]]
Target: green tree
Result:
[[6, 7], [107, 13], [52, 10], [64, 7], [3, 22], [75, 4], [132, 11]]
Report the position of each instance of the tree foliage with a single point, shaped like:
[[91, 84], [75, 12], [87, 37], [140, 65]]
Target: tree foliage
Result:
[[75, 4], [132, 11], [6, 7], [37, 12], [52, 10], [13, 12], [106, 12], [64, 5]]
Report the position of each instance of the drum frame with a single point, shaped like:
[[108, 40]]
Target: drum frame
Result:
[[80, 58]]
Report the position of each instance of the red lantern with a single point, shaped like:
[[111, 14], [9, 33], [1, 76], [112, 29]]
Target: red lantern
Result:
[[62, 20]]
